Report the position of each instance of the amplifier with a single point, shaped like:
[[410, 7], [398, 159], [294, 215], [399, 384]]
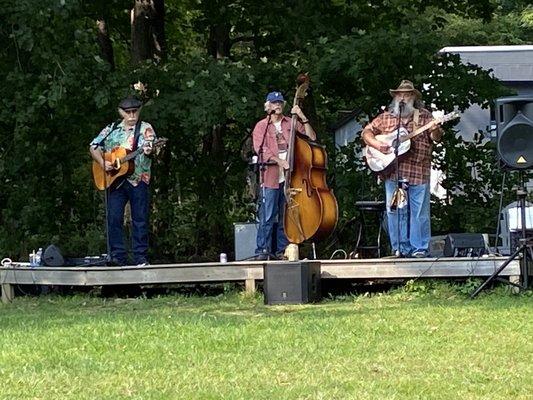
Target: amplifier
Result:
[[292, 282], [245, 240], [464, 245]]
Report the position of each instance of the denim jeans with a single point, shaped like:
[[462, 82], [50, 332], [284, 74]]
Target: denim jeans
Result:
[[271, 238], [415, 222], [139, 198]]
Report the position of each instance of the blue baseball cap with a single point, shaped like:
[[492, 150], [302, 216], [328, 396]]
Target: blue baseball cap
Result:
[[274, 96]]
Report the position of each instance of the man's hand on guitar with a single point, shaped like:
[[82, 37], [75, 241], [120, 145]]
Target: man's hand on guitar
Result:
[[381, 147], [147, 148], [108, 166]]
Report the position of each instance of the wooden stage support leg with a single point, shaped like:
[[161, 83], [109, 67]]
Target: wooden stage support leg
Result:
[[249, 285], [514, 279], [8, 293]]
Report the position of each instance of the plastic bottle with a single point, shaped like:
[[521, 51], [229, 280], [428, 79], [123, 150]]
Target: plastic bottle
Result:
[[38, 256], [32, 259]]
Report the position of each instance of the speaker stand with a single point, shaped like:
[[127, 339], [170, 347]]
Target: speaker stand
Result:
[[526, 245]]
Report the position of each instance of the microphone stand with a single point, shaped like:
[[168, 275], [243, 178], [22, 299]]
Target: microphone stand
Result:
[[261, 162], [102, 145], [397, 166], [263, 165]]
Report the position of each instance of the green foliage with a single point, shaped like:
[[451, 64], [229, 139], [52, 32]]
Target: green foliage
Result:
[[57, 92]]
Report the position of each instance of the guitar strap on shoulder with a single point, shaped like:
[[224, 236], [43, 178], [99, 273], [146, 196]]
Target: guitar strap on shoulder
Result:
[[416, 118], [136, 135]]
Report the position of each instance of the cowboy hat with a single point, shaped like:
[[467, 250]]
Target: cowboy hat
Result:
[[405, 86]]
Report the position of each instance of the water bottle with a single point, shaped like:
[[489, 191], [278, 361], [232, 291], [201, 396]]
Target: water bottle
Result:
[[32, 259], [38, 257]]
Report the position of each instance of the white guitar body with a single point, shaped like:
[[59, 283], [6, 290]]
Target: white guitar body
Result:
[[378, 161]]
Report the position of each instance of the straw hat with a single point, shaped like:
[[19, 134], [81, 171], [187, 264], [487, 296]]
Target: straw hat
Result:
[[405, 86]]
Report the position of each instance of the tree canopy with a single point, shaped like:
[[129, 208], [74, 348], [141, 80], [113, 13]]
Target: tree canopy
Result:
[[202, 69]]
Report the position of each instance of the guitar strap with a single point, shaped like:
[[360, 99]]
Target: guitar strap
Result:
[[136, 135], [115, 125], [416, 118]]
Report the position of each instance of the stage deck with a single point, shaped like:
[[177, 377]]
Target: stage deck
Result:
[[249, 271]]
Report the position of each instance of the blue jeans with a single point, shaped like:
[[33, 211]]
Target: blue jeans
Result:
[[415, 221], [139, 198], [271, 209]]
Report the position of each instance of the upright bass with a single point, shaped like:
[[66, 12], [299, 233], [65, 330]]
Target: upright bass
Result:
[[311, 210]]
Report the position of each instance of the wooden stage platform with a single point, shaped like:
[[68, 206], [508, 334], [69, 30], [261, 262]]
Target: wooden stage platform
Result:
[[249, 271]]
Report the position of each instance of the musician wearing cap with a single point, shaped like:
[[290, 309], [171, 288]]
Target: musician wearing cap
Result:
[[406, 111], [270, 139], [130, 133]]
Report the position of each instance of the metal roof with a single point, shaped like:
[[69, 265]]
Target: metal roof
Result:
[[509, 63]]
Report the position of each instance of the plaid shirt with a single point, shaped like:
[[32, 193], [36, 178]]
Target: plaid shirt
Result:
[[415, 165], [271, 147]]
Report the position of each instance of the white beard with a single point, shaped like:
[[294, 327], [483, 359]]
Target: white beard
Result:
[[408, 108]]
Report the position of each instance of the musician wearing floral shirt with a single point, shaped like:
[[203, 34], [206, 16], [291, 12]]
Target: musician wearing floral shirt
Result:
[[135, 188], [407, 111]]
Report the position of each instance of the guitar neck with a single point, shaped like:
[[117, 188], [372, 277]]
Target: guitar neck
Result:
[[417, 131], [131, 155], [446, 118]]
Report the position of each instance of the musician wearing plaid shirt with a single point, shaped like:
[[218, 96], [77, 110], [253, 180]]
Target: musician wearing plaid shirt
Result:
[[414, 168]]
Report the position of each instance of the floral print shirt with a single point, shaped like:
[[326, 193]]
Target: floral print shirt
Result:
[[123, 137]]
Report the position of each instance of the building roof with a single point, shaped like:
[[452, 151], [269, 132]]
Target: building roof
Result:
[[509, 63]]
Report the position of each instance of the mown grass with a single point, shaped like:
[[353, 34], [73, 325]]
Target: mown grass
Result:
[[409, 344]]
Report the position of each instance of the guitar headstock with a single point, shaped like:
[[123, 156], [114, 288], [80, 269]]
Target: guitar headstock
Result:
[[158, 144], [441, 118]]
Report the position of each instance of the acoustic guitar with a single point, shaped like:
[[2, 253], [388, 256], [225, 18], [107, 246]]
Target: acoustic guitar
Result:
[[123, 164], [378, 161]]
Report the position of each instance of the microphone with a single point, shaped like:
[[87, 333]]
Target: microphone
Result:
[[271, 112], [402, 104]]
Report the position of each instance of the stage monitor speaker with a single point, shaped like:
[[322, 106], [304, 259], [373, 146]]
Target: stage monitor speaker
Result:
[[245, 240], [464, 245], [52, 257], [514, 126], [292, 282]]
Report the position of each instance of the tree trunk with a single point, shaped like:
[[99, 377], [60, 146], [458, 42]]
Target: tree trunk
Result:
[[218, 43], [159, 37], [104, 42], [210, 221], [148, 40]]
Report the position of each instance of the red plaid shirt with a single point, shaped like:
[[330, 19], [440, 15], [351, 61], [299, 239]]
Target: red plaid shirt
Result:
[[415, 165], [270, 146]]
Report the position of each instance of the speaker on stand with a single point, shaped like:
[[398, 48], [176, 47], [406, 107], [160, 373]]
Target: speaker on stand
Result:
[[514, 127]]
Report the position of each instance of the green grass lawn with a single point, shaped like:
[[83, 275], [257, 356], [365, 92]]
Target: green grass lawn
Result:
[[430, 344]]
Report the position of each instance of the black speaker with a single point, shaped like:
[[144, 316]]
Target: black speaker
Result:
[[292, 282], [464, 245], [514, 126], [52, 257]]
